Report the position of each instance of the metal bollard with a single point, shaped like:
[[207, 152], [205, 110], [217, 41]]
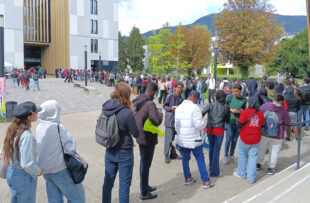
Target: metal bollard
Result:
[[298, 148]]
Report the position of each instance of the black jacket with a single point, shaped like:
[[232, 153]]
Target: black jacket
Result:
[[218, 114], [147, 110], [126, 124], [293, 101], [171, 100], [252, 85]]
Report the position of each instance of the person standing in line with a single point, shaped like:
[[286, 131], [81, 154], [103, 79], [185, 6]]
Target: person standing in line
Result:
[[274, 144], [237, 103], [218, 115], [35, 78], [163, 91], [20, 151], [250, 122], [145, 108], [172, 101], [14, 78], [27, 79], [189, 124], [120, 158], [305, 104], [50, 156], [293, 106], [211, 85]]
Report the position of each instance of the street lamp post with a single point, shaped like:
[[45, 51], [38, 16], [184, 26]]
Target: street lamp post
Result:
[[85, 68], [99, 61], [216, 47], [1, 46], [282, 56]]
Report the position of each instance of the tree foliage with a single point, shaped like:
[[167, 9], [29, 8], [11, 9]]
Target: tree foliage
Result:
[[295, 56], [135, 51], [247, 32], [160, 53], [176, 46], [122, 53], [196, 51]]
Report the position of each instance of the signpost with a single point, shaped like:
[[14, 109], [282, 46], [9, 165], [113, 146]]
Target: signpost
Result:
[[2, 78]]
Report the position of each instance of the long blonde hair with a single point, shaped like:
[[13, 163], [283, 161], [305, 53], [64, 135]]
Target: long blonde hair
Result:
[[122, 93]]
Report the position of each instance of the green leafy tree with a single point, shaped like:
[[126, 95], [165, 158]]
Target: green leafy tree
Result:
[[247, 32], [122, 52], [158, 46], [177, 43], [295, 53], [135, 49], [197, 47]]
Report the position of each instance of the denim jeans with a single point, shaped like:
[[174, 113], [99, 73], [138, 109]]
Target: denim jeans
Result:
[[304, 112], [201, 99], [247, 153], [22, 185], [200, 159], [15, 82], [61, 184], [232, 135], [122, 162], [146, 158], [36, 83], [215, 143]]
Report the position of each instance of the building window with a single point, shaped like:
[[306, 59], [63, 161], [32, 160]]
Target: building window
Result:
[[94, 45], [94, 7], [93, 26]]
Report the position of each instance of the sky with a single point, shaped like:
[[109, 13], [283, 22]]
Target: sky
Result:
[[152, 14]]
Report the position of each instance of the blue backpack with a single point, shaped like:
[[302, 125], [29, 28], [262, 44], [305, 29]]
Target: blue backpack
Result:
[[272, 126]]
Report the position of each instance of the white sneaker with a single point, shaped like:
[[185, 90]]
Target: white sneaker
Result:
[[225, 160], [237, 175], [234, 159]]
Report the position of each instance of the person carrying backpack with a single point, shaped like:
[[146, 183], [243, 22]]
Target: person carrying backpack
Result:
[[250, 122], [201, 88], [273, 133], [305, 103], [35, 78], [119, 155]]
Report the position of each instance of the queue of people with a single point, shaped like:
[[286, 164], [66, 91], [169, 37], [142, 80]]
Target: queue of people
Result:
[[258, 122]]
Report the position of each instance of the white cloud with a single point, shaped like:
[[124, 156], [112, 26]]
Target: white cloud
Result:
[[152, 14]]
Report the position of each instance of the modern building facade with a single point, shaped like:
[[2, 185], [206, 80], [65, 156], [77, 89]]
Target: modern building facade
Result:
[[53, 33]]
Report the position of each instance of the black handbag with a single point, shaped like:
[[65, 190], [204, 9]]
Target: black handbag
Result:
[[76, 165]]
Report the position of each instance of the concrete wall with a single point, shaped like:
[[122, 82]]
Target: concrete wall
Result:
[[80, 31], [13, 32]]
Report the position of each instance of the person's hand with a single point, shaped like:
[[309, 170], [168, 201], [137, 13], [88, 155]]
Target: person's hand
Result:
[[172, 109], [41, 172]]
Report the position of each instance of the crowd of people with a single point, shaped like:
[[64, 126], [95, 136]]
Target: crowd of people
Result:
[[255, 117], [21, 77]]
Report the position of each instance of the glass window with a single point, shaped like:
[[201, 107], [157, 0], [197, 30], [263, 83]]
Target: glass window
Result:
[[91, 26], [91, 6], [94, 45], [95, 7], [95, 26]]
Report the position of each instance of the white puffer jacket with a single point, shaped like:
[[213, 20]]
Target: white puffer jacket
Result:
[[189, 124]]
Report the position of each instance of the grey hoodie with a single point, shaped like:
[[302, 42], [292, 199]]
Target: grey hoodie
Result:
[[50, 154]]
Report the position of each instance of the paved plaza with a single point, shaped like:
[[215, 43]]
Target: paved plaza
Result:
[[79, 114]]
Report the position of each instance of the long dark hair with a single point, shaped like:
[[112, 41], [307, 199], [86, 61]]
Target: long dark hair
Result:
[[16, 129]]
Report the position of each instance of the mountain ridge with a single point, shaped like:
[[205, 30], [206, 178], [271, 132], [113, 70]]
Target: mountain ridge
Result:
[[293, 24]]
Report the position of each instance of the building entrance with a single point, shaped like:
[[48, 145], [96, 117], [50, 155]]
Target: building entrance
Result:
[[32, 56]]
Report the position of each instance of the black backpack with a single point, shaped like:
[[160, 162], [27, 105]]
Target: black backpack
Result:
[[107, 131], [204, 87], [306, 95]]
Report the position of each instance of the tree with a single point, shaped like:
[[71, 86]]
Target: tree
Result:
[[295, 56], [160, 53], [247, 33], [196, 51], [176, 46], [135, 49], [122, 52]]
